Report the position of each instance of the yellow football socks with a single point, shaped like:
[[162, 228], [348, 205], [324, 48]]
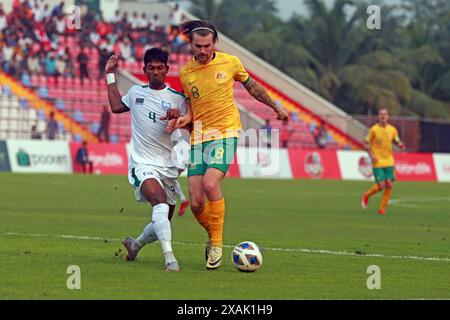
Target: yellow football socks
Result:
[[372, 190], [216, 215], [385, 199], [202, 218]]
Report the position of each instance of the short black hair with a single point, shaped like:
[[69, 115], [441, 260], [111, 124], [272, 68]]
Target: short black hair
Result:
[[156, 54], [205, 28]]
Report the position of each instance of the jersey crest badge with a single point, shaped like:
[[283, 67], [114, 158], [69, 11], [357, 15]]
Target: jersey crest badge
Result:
[[166, 105], [221, 76]]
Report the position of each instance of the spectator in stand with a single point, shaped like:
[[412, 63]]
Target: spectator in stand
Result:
[[14, 67], [83, 62], [46, 12], [176, 17], [321, 135], [285, 134], [143, 22], [70, 70], [179, 45], [52, 127], [58, 10], [116, 17], [34, 65], [266, 132], [60, 24], [35, 135], [50, 67], [134, 21], [104, 124], [3, 21], [103, 57], [154, 23], [125, 50], [60, 66], [82, 158], [7, 56], [25, 78]]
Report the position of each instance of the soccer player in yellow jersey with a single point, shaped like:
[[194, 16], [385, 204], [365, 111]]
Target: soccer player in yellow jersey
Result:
[[379, 145], [208, 81]]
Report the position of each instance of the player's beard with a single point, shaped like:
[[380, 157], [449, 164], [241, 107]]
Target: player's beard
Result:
[[156, 84], [203, 58]]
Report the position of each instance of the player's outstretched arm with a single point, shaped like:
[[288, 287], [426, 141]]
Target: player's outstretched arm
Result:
[[114, 97], [259, 93], [400, 144]]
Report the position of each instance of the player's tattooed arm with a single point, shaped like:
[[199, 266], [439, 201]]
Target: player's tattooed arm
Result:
[[259, 93], [114, 97]]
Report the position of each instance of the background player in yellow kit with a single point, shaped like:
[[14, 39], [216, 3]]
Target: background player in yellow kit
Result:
[[208, 81], [379, 145]]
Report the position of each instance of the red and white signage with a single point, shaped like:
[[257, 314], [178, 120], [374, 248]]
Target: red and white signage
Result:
[[233, 171], [106, 158], [314, 164], [263, 163], [414, 167], [442, 166], [45, 156], [355, 165]]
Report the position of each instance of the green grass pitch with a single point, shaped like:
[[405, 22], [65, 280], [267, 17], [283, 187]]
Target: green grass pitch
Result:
[[49, 222]]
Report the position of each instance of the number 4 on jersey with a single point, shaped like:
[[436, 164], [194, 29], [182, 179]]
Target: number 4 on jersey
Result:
[[152, 116]]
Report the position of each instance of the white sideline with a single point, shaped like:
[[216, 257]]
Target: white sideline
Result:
[[301, 250]]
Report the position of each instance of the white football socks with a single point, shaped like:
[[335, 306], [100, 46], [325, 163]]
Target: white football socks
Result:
[[147, 236], [162, 227], [179, 191]]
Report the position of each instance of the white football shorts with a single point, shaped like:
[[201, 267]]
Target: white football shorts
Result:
[[138, 174]]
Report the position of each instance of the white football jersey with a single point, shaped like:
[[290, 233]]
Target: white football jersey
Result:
[[150, 143]]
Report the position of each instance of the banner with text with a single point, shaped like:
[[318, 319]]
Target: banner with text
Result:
[[39, 156], [414, 167], [106, 158]]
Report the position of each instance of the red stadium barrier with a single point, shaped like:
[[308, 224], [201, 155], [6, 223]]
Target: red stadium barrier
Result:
[[106, 158], [314, 164], [415, 167], [234, 171]]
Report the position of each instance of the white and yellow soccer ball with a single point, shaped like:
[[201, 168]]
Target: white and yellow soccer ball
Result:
[[247, 256]]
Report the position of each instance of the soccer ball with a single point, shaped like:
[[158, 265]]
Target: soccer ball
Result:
[[247, 257]]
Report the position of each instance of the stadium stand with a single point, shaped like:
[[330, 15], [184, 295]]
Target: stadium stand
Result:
[[58, 76]]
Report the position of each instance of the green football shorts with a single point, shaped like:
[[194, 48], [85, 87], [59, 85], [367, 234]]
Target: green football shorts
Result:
[[383, 174], [217, 154]]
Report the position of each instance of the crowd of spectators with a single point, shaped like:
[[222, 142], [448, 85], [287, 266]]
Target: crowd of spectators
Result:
[[32, 39]]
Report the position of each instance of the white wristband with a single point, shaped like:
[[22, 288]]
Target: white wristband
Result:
[[110, 78]]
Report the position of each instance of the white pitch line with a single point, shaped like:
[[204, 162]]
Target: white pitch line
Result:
[[300, 250]]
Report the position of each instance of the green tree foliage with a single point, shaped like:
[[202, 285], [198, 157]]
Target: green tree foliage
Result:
[[405, 66]]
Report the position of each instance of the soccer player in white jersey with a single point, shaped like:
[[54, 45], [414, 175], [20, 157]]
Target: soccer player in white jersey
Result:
[[152, 171]]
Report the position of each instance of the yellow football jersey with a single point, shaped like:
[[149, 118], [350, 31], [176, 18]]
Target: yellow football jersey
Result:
[[211, 91], [380, 140]]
